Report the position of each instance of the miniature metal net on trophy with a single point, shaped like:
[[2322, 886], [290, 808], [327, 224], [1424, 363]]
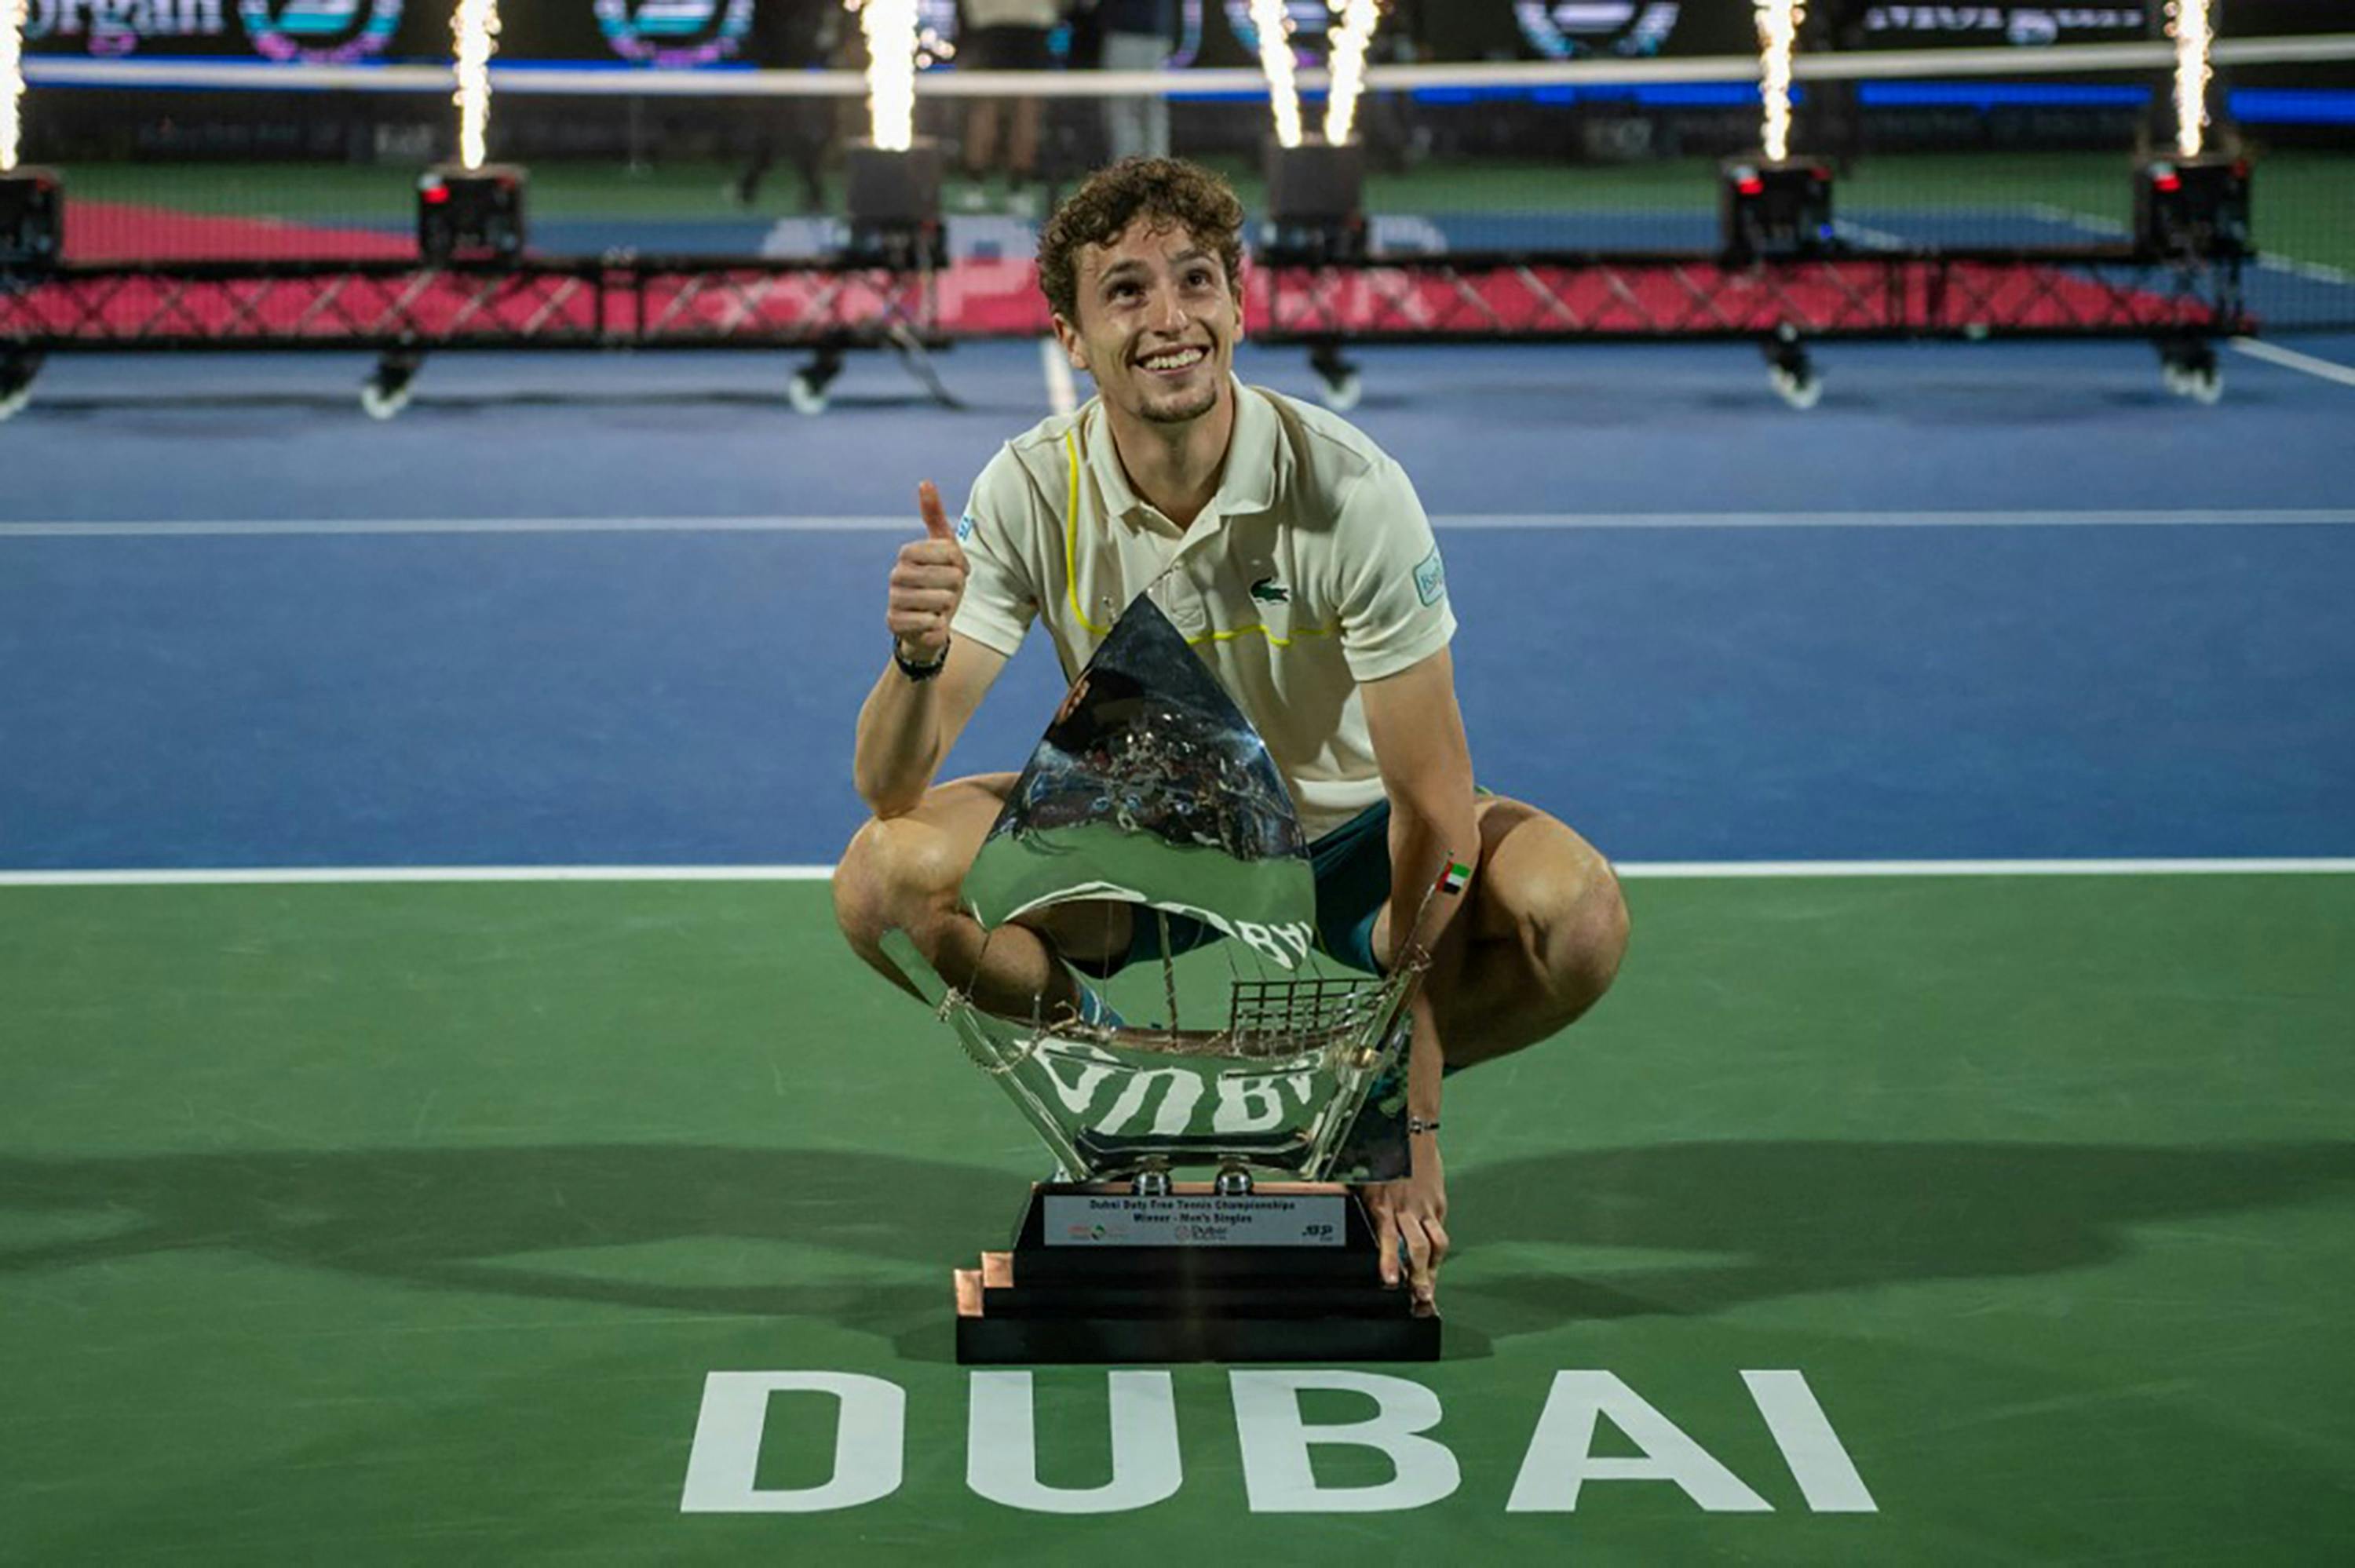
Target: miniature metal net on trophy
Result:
[[1294, 1013]]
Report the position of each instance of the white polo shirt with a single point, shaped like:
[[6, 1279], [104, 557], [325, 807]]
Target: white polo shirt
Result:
[[1311, 570]]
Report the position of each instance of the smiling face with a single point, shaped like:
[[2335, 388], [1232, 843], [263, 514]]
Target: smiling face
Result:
[[1158, 323]]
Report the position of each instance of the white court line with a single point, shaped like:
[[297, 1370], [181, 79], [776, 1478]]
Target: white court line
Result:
[[299, 876], [2313, 271], [1633, 870], [2274, 353], [2121, 517], [1062, 396], [1670, 870], [2117, 517], [364, 526]]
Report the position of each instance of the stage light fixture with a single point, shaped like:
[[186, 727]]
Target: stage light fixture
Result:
[[32, 218], [1775, 208], [1316, 201], [471, 214], [894, 206], [2192, 207]]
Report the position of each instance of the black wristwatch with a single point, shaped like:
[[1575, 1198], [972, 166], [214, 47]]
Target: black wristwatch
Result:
[[914, 671]]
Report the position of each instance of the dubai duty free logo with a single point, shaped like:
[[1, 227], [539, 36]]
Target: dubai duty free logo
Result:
[[320, 32], [1626, 28], [674, 32]]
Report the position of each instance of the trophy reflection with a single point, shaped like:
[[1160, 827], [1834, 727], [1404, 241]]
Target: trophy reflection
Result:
[[1151, 789]]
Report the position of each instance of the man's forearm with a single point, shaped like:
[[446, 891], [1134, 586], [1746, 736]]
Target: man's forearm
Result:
[[898, 746], [1422, 844]]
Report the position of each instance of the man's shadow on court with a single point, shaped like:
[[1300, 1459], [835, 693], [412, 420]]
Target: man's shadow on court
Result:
[[1769, 1219]]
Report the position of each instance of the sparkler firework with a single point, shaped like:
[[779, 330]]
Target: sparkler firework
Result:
[[1350, 37], [475, 25], [1778, 34]]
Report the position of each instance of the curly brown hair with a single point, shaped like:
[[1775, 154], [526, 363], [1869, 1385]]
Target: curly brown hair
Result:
[[1167, 189]]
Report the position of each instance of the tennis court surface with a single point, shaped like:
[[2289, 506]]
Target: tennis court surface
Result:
[[404, 1218], [438, 1122]]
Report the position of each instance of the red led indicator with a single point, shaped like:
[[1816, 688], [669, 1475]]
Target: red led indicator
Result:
[[1751, 187], [437, 194]]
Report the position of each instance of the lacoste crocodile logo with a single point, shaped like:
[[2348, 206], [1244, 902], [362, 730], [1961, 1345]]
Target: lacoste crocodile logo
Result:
[[1267, 590]]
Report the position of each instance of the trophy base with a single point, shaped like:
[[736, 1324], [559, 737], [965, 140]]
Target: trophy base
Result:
[[1287, 1272]]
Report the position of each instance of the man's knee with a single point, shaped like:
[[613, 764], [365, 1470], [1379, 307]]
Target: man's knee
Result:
[[906, 871], [897, 872], [1566, 915], [1590, 937]]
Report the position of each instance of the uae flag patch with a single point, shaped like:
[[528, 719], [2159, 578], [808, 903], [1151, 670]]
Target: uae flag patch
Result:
[[1455, 877]]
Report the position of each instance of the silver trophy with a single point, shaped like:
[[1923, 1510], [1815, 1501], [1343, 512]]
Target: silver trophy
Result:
[[1151, 789]]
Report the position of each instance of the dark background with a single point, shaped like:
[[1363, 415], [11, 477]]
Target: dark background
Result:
[[1443, 29]]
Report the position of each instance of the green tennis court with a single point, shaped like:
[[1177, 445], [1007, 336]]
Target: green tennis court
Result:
[[394, 1222]]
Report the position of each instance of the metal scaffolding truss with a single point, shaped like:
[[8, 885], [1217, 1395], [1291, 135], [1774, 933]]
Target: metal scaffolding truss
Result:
[[2081, 291], [829, 307], [622, 302], [632, 303]]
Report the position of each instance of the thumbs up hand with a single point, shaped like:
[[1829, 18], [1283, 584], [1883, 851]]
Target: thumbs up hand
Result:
[[927, 584]]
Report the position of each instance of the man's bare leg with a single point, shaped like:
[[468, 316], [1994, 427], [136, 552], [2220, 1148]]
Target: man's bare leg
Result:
[[1548, 928], [905, 873]]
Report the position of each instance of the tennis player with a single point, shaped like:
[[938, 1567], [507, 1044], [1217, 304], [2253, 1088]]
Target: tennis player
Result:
[[1296, 558]]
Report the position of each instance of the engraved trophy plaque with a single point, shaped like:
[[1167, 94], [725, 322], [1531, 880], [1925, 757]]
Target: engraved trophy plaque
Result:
[[1151, 789]]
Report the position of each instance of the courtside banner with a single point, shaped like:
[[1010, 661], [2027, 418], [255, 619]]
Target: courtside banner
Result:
[[670, 34], [315, 31]]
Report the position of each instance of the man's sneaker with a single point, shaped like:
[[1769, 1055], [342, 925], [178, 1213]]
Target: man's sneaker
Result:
[[1095, 1010]]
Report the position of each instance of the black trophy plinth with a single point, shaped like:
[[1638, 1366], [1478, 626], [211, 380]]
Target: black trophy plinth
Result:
[[470, 215], [1775, 210], [2196, 207], [1289, 1272], [32, 218], [1317, 201], [893, 205]]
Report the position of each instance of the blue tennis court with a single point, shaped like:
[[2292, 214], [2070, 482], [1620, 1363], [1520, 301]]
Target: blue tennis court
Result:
[[1985, 602]]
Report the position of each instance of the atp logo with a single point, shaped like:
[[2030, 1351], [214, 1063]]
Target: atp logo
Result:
[[674, 32], [1626, 27], [320, 32]]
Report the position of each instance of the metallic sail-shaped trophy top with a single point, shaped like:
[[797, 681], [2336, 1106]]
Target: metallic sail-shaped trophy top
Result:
[[1151, 788]]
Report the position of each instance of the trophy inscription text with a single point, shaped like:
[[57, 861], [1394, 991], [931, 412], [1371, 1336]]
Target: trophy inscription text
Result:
[[1183, 1219]]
